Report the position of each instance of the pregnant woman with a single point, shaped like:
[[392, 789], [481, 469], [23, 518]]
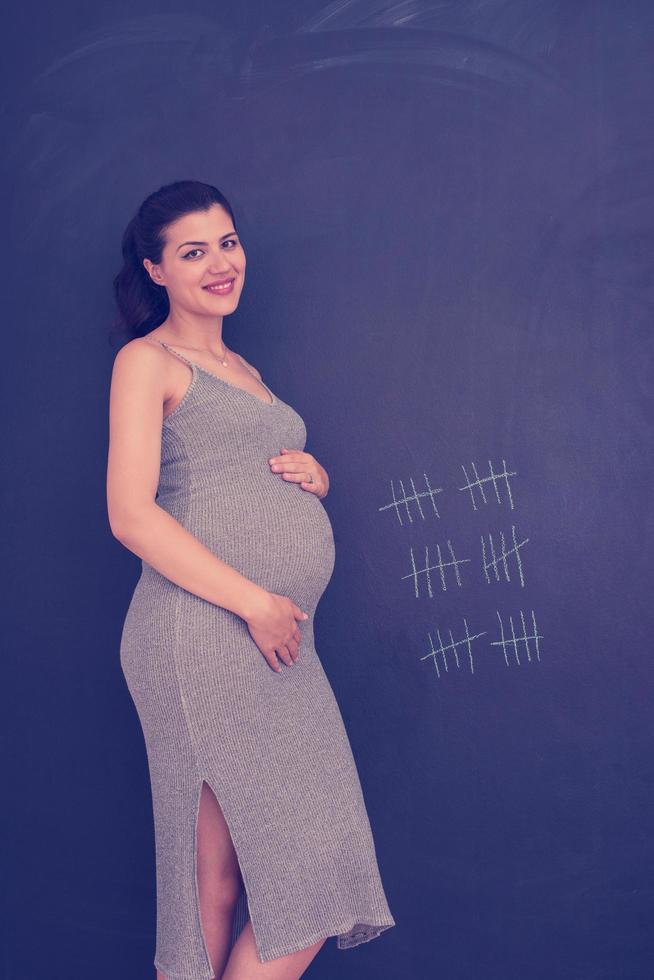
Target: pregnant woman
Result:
[[263, 844]]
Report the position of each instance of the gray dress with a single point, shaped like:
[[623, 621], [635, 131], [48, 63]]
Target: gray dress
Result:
[[272, 746]]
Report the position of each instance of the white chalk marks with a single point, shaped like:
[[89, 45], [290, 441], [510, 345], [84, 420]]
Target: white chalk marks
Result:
[[401, 503], [512, 644], [494, 478], [500, 556], [434, 567], [500, 560], [440, 566], [520, 640], [441, 651]]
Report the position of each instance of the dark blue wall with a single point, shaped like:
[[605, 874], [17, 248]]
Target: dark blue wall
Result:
[[448, 214]]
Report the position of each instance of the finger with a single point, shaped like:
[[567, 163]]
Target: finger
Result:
[[291, 456], [290, 466], [300, 476], [283, 654], [292, 647]]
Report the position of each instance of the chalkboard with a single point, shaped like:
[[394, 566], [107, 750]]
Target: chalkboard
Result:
[[447, 211]]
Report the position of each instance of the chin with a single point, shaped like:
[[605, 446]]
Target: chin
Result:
[[221, 303]]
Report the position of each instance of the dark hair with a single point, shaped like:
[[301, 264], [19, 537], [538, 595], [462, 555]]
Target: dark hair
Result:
[[142, 305]]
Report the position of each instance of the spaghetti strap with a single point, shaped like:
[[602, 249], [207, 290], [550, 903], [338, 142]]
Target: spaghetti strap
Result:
[[176, 353], [249, 369]]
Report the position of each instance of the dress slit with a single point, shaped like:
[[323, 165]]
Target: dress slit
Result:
[[196, 888], [243, 906]]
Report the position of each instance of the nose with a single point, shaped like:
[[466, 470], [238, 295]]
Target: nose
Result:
[[220, 262]]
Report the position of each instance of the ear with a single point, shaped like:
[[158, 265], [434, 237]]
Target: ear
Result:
[[154, 272]]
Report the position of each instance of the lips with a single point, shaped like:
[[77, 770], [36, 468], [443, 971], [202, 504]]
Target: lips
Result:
[[220, 286]]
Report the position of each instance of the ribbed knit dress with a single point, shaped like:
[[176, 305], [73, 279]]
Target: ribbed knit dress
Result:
[[272, 746]]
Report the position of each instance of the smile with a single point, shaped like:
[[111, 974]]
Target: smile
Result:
[[220, 288]]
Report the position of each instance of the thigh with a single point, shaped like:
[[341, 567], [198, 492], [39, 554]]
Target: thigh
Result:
[[218, 869]]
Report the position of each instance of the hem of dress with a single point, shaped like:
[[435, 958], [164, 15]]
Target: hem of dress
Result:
[[183, 976], [372, 931]]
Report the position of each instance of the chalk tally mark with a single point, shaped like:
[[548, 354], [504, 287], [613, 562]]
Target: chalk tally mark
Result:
[[493, 478], [441, 651], [499, 557], [423, 575], [400, 501], [518, 641]]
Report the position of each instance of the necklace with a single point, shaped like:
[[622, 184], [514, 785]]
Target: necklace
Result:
[[203, 350]]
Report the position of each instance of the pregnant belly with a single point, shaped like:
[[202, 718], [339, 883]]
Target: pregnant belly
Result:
[[272, 531]]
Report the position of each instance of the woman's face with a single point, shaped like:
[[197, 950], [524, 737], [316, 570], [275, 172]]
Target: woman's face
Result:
[[201, 248]]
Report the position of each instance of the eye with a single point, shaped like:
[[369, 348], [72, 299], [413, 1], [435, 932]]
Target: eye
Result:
[[232, 241]]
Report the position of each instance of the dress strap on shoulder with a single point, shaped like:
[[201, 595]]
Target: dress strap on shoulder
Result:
[[176, 353], [246, 365]]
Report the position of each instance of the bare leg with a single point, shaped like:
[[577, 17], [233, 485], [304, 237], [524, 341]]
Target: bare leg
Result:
[[219, 879], [219, 882], [244, 963]]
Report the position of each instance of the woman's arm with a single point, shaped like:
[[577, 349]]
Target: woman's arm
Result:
[[140, 385]]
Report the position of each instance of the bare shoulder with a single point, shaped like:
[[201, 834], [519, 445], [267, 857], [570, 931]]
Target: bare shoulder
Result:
[[140, 354], [141, 373], [248, 365]]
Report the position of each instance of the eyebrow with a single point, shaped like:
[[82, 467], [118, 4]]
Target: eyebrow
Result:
[[229, 234]]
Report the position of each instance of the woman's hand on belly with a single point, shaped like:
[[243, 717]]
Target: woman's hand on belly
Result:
[[303, 468], [273, 627]]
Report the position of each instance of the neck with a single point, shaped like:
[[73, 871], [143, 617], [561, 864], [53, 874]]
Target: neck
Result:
[[202, 333]]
